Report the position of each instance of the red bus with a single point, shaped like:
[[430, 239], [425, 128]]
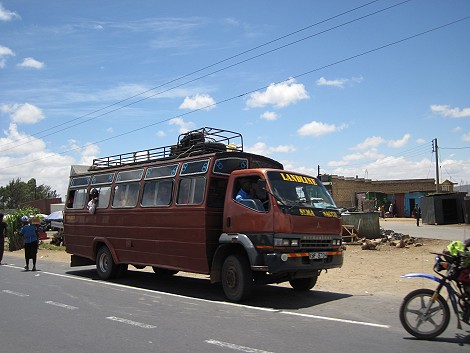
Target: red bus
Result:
[[175, 208]]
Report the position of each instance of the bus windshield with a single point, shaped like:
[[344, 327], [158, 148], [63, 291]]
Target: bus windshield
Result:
[[299, 190]]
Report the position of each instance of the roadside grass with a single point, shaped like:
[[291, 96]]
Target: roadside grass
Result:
[[47, 246]]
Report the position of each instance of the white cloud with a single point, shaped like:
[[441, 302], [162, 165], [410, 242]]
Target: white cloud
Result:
[[183, 125], [370, 142], [449, 112], [199, 101], [269, 116], [23, 113], [334, 83], [30, 159], [339, 82], [16, 142], [161, 133], [371, 154], [263, 149], [421, 141], [466, 137], [317, 128], [279, 95], [5, 52], [31, 63], [399, 143], [88, 152], [6, 15]]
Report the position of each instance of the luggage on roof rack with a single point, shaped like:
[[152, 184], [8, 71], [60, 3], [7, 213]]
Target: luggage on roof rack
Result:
[[194, 142]]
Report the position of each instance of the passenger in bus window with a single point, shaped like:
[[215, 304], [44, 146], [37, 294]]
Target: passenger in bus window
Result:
[[93, 201]]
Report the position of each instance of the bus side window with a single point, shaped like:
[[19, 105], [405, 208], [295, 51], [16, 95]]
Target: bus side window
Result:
[[77, 199], [103, 199], [126, 195], [157, 193], [191, 191]]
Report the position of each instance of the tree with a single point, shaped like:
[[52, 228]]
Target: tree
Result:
[[17, 192]]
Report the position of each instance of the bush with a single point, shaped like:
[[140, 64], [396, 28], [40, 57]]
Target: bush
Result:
[[13, 221]]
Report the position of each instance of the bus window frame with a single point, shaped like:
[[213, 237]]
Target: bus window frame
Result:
[[191, 191], [75, 191], [229, 158], [173, 174], [126, 198], [100, 204], [184, 166], [155, 197]]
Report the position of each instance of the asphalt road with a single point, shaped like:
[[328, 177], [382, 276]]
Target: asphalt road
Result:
[[408, 226], [59, 309]]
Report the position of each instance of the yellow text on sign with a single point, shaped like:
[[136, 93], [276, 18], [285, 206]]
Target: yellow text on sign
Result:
[[306, 212], [298, 178]]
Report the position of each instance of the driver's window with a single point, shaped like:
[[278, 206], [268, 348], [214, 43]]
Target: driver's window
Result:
[[249, 194]]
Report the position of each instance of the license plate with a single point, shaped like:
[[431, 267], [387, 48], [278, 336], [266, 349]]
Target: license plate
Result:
[[317, 255]]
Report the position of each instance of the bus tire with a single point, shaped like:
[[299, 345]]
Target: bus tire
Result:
[[237, 278], [105, 265], [303, 284]]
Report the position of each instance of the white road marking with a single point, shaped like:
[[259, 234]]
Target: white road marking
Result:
[[235, 347], [336, 319], [15, 293], [153, 292], [60, 305], [129, 322]]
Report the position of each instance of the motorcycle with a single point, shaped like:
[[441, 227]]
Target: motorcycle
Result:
[[424, 313]]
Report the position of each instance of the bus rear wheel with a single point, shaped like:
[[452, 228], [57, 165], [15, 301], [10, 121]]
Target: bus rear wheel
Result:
[[237, 278], [105, 265]]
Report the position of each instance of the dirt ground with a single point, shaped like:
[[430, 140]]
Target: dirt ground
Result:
[[364, 272]]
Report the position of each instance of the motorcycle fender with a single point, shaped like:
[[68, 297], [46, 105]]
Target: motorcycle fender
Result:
[[421, 275]]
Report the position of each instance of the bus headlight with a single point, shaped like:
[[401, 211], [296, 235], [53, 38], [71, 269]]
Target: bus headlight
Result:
[[286, 242]]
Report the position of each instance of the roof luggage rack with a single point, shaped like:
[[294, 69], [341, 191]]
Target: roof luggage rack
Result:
[[200, 141]]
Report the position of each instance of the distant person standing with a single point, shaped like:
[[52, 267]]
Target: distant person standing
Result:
[[3, 234], [417, 214], [30, 235]]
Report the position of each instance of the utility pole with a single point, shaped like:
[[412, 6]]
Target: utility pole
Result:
[[435, 150]]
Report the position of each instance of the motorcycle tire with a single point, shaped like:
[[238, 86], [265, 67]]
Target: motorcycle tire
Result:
[[419, 320]]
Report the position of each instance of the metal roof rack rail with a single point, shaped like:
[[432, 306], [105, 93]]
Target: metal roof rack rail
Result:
[[195, 142]]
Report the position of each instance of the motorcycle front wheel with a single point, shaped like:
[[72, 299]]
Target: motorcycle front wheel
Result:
[[422, 316]]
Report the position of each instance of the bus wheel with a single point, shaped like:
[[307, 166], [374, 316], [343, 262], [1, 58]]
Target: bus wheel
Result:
[[303, 284], [237, 279], [105, 265], [163, 272]]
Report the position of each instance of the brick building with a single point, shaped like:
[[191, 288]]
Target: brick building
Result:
[[367, 195]]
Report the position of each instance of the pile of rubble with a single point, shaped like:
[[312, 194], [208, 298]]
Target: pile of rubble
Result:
[[390, 238]]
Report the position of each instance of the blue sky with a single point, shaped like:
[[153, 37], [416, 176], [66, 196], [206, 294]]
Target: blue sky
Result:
[[354, 87]]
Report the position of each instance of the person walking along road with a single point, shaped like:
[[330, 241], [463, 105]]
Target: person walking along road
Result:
[[417, 214], [30, 235]]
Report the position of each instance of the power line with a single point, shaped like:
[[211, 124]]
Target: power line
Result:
[[266, 86], [210, 73]]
